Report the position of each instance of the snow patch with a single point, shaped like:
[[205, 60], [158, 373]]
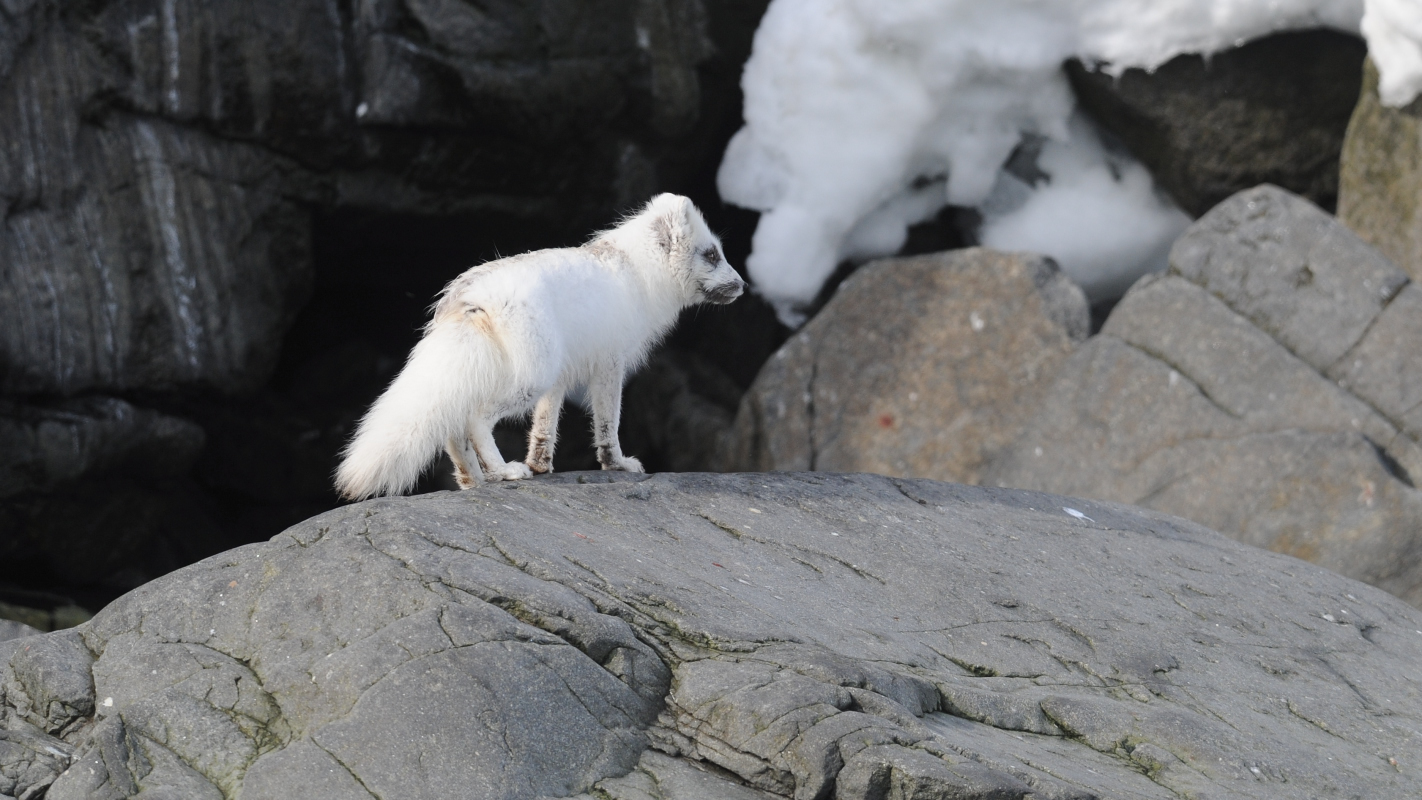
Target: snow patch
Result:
[[864, 117], [1393, 29], [1096, 212]]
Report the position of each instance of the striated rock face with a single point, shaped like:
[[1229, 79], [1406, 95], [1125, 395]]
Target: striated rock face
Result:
[[1269, 386], [727, 636], [920, 367], [138, 254], [159, 161], [1380, 191], [1273, 110]]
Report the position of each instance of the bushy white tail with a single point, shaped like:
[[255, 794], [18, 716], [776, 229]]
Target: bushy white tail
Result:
[[444, 381]]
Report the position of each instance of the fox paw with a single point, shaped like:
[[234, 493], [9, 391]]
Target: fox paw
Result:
[[624, 464], [540, 467], [512, 471]]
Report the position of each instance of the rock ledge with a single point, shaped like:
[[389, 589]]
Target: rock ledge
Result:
[[767, 635]]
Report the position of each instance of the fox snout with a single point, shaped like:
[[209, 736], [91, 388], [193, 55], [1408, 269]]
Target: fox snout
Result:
[[724, 292]]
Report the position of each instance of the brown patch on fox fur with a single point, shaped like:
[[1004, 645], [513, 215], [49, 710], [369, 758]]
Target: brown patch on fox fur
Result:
[[481, 320], [463, 478], [539, 459], [461, 471], [602, 249]]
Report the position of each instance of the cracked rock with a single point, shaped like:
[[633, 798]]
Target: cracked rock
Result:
[[704, 637], [918, 367], [1268, 386]]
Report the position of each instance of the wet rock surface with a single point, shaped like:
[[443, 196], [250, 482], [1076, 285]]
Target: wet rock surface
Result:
[[742, 636], [1273, 110], [1267, 387], [1380, 180], [921, 367]]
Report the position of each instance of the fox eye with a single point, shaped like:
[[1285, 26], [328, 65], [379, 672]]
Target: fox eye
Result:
[[711, 254]]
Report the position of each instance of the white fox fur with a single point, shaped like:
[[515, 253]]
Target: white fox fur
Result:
[[519, 333]]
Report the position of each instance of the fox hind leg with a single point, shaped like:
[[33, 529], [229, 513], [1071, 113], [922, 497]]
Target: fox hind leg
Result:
[[543, 433], [468, 472]]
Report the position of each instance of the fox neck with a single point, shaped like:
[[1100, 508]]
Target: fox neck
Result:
[[665, 290], [665, 294]]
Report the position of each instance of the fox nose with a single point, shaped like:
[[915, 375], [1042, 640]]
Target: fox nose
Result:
[[725, 292]]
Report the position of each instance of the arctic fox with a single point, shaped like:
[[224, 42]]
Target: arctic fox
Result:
[[519, 333]]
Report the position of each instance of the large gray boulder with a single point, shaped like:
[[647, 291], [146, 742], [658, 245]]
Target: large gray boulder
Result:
[[917, 367], [1380, 176], [744, 636], [1273, 110], [1267, 386]]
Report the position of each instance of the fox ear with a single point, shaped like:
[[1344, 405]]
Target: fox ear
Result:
[[672, 223]]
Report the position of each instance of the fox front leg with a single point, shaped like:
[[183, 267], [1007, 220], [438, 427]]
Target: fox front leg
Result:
[[481, 435], [543, 434], [606, 391]]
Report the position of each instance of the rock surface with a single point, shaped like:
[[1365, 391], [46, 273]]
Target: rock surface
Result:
[[1268, 387], [768, 635], [9, 629], [917, 367], [1380, 180], [1271, 111]]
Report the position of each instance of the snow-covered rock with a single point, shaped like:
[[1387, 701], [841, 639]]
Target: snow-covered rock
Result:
[[865, 117]]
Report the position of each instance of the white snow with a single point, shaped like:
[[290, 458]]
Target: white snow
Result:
[[1393, 29], [1099, 216], [866, 116]]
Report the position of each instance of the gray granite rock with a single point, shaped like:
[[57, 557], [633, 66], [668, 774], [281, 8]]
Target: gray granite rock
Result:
[[688, 637], [1267, 387], [918, 367], [1289, 268], [9, 629]]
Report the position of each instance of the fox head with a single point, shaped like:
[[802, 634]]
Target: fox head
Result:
[[692, 251]]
